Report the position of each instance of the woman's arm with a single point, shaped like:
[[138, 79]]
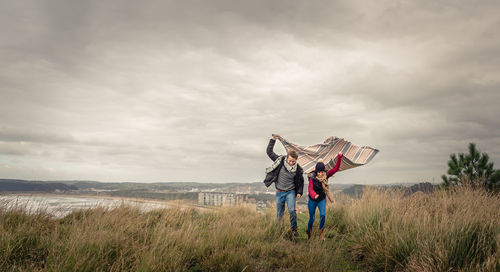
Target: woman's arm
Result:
[[336, 167], [312, 193]]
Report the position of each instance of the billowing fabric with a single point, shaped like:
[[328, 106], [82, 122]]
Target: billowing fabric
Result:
[[354, 155]]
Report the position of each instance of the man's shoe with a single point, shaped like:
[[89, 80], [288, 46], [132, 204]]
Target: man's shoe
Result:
[[309, 236]]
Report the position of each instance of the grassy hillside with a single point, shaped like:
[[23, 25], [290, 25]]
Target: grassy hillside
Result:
[[382, 231]]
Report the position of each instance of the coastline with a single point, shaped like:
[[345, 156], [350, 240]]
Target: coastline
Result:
[[169, 203]]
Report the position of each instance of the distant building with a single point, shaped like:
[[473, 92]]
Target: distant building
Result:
[[221, 199]]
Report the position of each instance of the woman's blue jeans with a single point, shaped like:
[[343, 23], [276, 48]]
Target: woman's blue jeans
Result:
[[311, 205], [290, 198]]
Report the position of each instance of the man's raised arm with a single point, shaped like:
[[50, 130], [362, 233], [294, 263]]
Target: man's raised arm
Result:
[[273, 156]]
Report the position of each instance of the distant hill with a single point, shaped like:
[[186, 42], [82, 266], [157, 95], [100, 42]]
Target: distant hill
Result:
[[425, 187], [167, 186], [16, 185], [143, 189], [130, 189], [356, 191]]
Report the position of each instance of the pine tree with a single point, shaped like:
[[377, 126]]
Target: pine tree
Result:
[[474, 168], [494, 185]]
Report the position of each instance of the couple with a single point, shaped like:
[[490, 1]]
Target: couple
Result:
[[289, 183]]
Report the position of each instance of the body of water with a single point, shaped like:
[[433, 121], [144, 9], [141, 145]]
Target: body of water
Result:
[[61, 205]]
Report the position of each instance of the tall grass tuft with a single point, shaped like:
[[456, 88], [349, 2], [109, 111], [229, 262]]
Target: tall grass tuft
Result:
[[450, 230]]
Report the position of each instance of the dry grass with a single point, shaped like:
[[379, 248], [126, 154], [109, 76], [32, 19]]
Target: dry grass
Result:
[[448, 231], [457, 231], [126, 239]]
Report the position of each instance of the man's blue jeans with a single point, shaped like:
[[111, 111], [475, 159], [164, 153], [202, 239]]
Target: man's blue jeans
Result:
[[290, 198], [311, 205]]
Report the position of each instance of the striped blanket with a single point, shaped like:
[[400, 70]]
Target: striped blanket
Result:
[[353, 155]]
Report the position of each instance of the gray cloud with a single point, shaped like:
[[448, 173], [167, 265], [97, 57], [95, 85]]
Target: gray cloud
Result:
[[191, 90], [15, 149], [18, 135]]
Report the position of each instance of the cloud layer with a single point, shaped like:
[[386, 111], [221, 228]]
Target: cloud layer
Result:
[[192, 90]]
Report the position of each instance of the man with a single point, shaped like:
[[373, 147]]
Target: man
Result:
[[286, 174]]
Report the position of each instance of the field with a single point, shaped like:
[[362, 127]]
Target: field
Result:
[[382, 231]]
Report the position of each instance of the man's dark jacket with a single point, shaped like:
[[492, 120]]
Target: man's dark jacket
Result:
[[273, 175]]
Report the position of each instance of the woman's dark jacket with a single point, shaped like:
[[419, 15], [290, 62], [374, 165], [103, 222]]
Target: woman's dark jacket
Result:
[[273, 175], [318, 188]]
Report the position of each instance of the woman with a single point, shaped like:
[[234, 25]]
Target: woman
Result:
[[317, 195]]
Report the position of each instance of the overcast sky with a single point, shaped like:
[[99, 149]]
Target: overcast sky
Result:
[[161, 91]]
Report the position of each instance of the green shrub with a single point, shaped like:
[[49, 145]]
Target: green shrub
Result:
[[469, 245]]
